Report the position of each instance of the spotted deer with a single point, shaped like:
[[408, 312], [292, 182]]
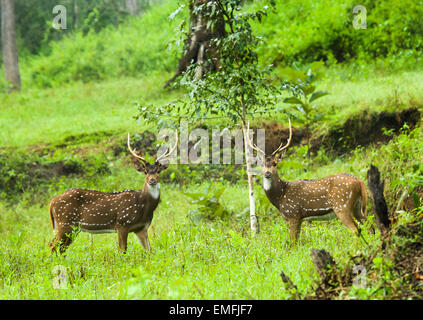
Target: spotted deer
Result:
[[103, 212], [341, 195]]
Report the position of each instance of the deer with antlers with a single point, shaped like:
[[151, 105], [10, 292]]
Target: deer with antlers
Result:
[[341, 195], [103, 212]]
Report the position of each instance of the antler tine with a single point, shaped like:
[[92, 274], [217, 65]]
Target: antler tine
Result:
[[133, 152], [167, 154], [280, 148], [251, 144]]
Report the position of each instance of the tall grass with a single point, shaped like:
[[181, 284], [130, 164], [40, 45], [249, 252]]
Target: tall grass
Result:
[[215, 260], [210, 261]]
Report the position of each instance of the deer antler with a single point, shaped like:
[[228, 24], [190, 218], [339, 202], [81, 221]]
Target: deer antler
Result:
[[251, 144], [280, 148], [165, 155], [133, 152]]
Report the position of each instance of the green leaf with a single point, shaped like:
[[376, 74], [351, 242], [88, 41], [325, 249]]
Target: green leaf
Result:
[[318, 116], [317, 95], [174, 13], [293, 75], [316, 65], [308, 89], [293, 100]]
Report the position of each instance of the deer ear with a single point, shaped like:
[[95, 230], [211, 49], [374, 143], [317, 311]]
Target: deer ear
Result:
[[279, 157], [163, 166], [140, 166]]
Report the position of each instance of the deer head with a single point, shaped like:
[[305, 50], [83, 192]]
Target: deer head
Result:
[[152, 171], [270, 163]]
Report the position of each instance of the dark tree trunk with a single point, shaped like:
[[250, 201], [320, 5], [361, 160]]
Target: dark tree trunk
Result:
[[381, 210], [199, 45], [325, 266], [288, 281], [9, 48]]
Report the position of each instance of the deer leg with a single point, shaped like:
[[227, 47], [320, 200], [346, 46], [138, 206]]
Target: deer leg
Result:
[[64, 244], [53, 243], [123, 239], [358, 214], [346, 217], [294, 228], [143, 238]]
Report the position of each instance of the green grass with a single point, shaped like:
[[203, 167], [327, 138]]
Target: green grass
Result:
[[211, 260], [217, 260], [51, 115]]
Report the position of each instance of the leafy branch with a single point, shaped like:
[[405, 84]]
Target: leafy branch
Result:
[[304, 94]]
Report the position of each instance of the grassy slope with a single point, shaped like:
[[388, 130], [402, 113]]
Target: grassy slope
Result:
[[209, 261], [53, 114]]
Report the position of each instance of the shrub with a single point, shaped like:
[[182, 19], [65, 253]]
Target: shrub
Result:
[[323, 30], [137, 47]]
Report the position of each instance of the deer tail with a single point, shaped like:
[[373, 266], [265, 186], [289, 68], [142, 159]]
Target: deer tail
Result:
[[50, 211], [363, 199]]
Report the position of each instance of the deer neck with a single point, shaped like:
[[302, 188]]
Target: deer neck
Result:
[[152, 191], [274, 189]]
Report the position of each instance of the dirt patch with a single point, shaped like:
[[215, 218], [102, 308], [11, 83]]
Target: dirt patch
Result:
[[276, 134], [362, 129], [85, 138], [59, 168], [144, 142], [21, 171], [366, 128]]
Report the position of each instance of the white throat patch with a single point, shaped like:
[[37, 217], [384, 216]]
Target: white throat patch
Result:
[[267, 184], [154, 191]]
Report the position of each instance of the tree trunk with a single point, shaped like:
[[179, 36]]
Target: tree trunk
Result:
[[9, 48], [132, 7], [75, 14], [381, 210], [199, 45], [325, 266], [253, 218]]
